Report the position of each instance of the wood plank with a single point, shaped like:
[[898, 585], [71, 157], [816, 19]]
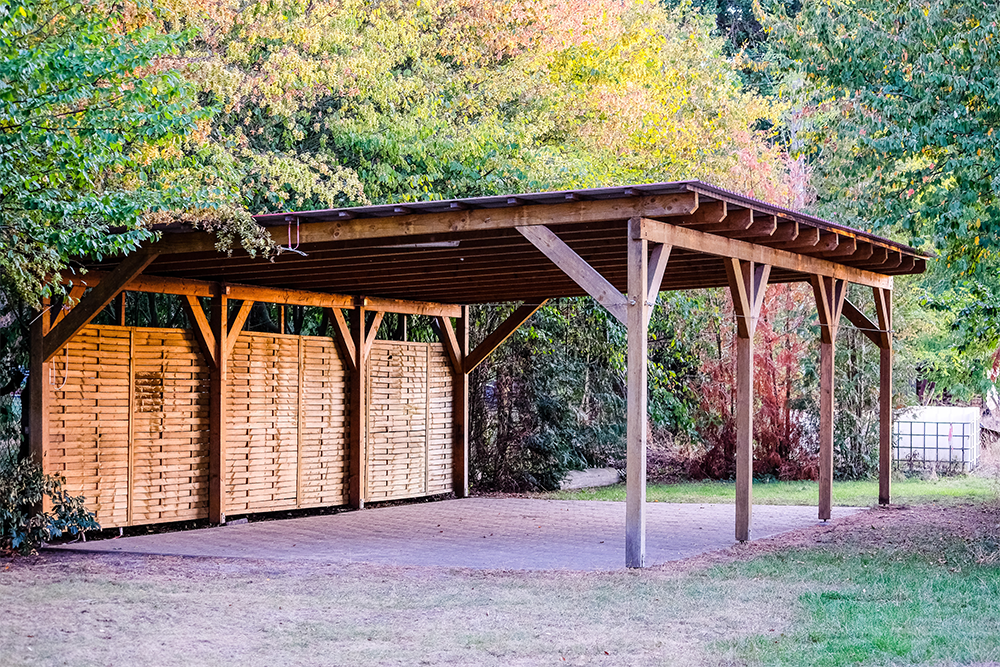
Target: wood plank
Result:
[[577, 269], [720, 246], [71, 299], [218, 409], [96, 300], [372, 333], [747, 284], [856, 317], [460, 412], [883, 312], [500, 334], [356, 457], [418, 224], [411, 307], [636, 409]]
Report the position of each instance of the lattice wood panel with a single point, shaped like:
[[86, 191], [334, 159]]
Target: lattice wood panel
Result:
[[439, 473], [406, 394], [324, 426], [89, 420], [262, 456], [170, 425]]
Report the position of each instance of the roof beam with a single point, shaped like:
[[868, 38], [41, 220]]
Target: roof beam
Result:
[[413, 224], [94, 301], [574, 266], [721, 246]]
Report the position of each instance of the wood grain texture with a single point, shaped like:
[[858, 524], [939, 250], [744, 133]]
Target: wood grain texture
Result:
[[576, 268], [636, 408]]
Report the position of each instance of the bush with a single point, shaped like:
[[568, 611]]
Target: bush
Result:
[[22, 528]]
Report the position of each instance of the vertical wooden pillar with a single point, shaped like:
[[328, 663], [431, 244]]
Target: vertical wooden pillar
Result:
[[637, 325], [830, 294], [883, 310], [356, 484], [218, 408], [747, 283], [460, 413], [40, 395]]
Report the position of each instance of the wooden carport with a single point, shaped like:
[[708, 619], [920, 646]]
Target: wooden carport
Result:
[[620, 245]]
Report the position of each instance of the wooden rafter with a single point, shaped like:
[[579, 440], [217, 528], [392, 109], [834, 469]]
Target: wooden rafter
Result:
[[95, 301], [574, 266], [656, 206], [711, 244], [500, 334]]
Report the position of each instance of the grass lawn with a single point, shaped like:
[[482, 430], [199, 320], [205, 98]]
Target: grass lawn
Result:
[[916, 586], [846, 494]]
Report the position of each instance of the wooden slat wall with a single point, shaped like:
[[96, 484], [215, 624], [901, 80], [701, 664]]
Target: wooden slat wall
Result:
[[324, 426], [89, 420], [439, 473], [262, 437], [169, 427], [409, 421], [130, 427]]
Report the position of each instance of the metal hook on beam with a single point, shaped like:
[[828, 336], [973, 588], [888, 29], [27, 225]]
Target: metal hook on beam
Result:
[[298, 237]]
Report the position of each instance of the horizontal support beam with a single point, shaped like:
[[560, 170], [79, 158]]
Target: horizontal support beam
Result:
[[278, 295], [415, 224], [721, 246]]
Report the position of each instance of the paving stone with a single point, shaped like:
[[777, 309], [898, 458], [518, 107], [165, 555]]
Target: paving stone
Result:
[[480, 533]]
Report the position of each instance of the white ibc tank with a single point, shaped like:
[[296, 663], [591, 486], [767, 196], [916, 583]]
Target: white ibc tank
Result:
[[945, 436]]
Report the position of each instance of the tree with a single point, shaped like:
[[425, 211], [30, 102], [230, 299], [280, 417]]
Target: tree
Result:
[[899, 108], [93, 137]]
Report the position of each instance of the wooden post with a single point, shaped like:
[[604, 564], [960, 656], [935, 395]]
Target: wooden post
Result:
[[218, 388], [883, 311], [636, 322], [830, 293], [356, 483], [747, 282], [38, 388], [460, 412]]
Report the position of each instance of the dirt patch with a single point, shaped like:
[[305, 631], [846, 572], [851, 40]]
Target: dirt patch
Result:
[[916, 529]]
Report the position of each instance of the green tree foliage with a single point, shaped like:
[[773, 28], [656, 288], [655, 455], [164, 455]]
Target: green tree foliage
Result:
[[899, 111], [22, 489], [92, 131]]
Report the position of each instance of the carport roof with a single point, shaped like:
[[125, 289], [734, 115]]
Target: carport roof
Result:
[[471, 250]]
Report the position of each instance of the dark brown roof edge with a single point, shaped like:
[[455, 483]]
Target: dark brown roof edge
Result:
[[559, 196]]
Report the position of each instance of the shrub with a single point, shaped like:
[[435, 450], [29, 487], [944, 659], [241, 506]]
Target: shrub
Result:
[[23, 527]]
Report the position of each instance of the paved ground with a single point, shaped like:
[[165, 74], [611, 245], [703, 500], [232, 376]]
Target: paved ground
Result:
[[481, 533]]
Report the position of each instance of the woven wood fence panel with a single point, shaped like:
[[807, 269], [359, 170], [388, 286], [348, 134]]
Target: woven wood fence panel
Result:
[[129, 423], [409, 389], [169, 427], [262, 436], [325, 425], [89, 420]]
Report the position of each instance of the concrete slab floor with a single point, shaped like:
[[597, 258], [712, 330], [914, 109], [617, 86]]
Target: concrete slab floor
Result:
[[479, 533]]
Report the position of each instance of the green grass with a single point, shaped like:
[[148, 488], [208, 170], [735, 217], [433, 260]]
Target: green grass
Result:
[[930, 603], [846, 494]]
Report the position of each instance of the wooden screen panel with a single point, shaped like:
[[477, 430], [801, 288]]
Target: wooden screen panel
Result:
[[262, 437], [397, 418], [439, 473], [324, 426], [89, 420], [170, 435]]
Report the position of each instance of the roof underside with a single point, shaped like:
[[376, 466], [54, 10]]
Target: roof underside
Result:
[[469, 250]]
